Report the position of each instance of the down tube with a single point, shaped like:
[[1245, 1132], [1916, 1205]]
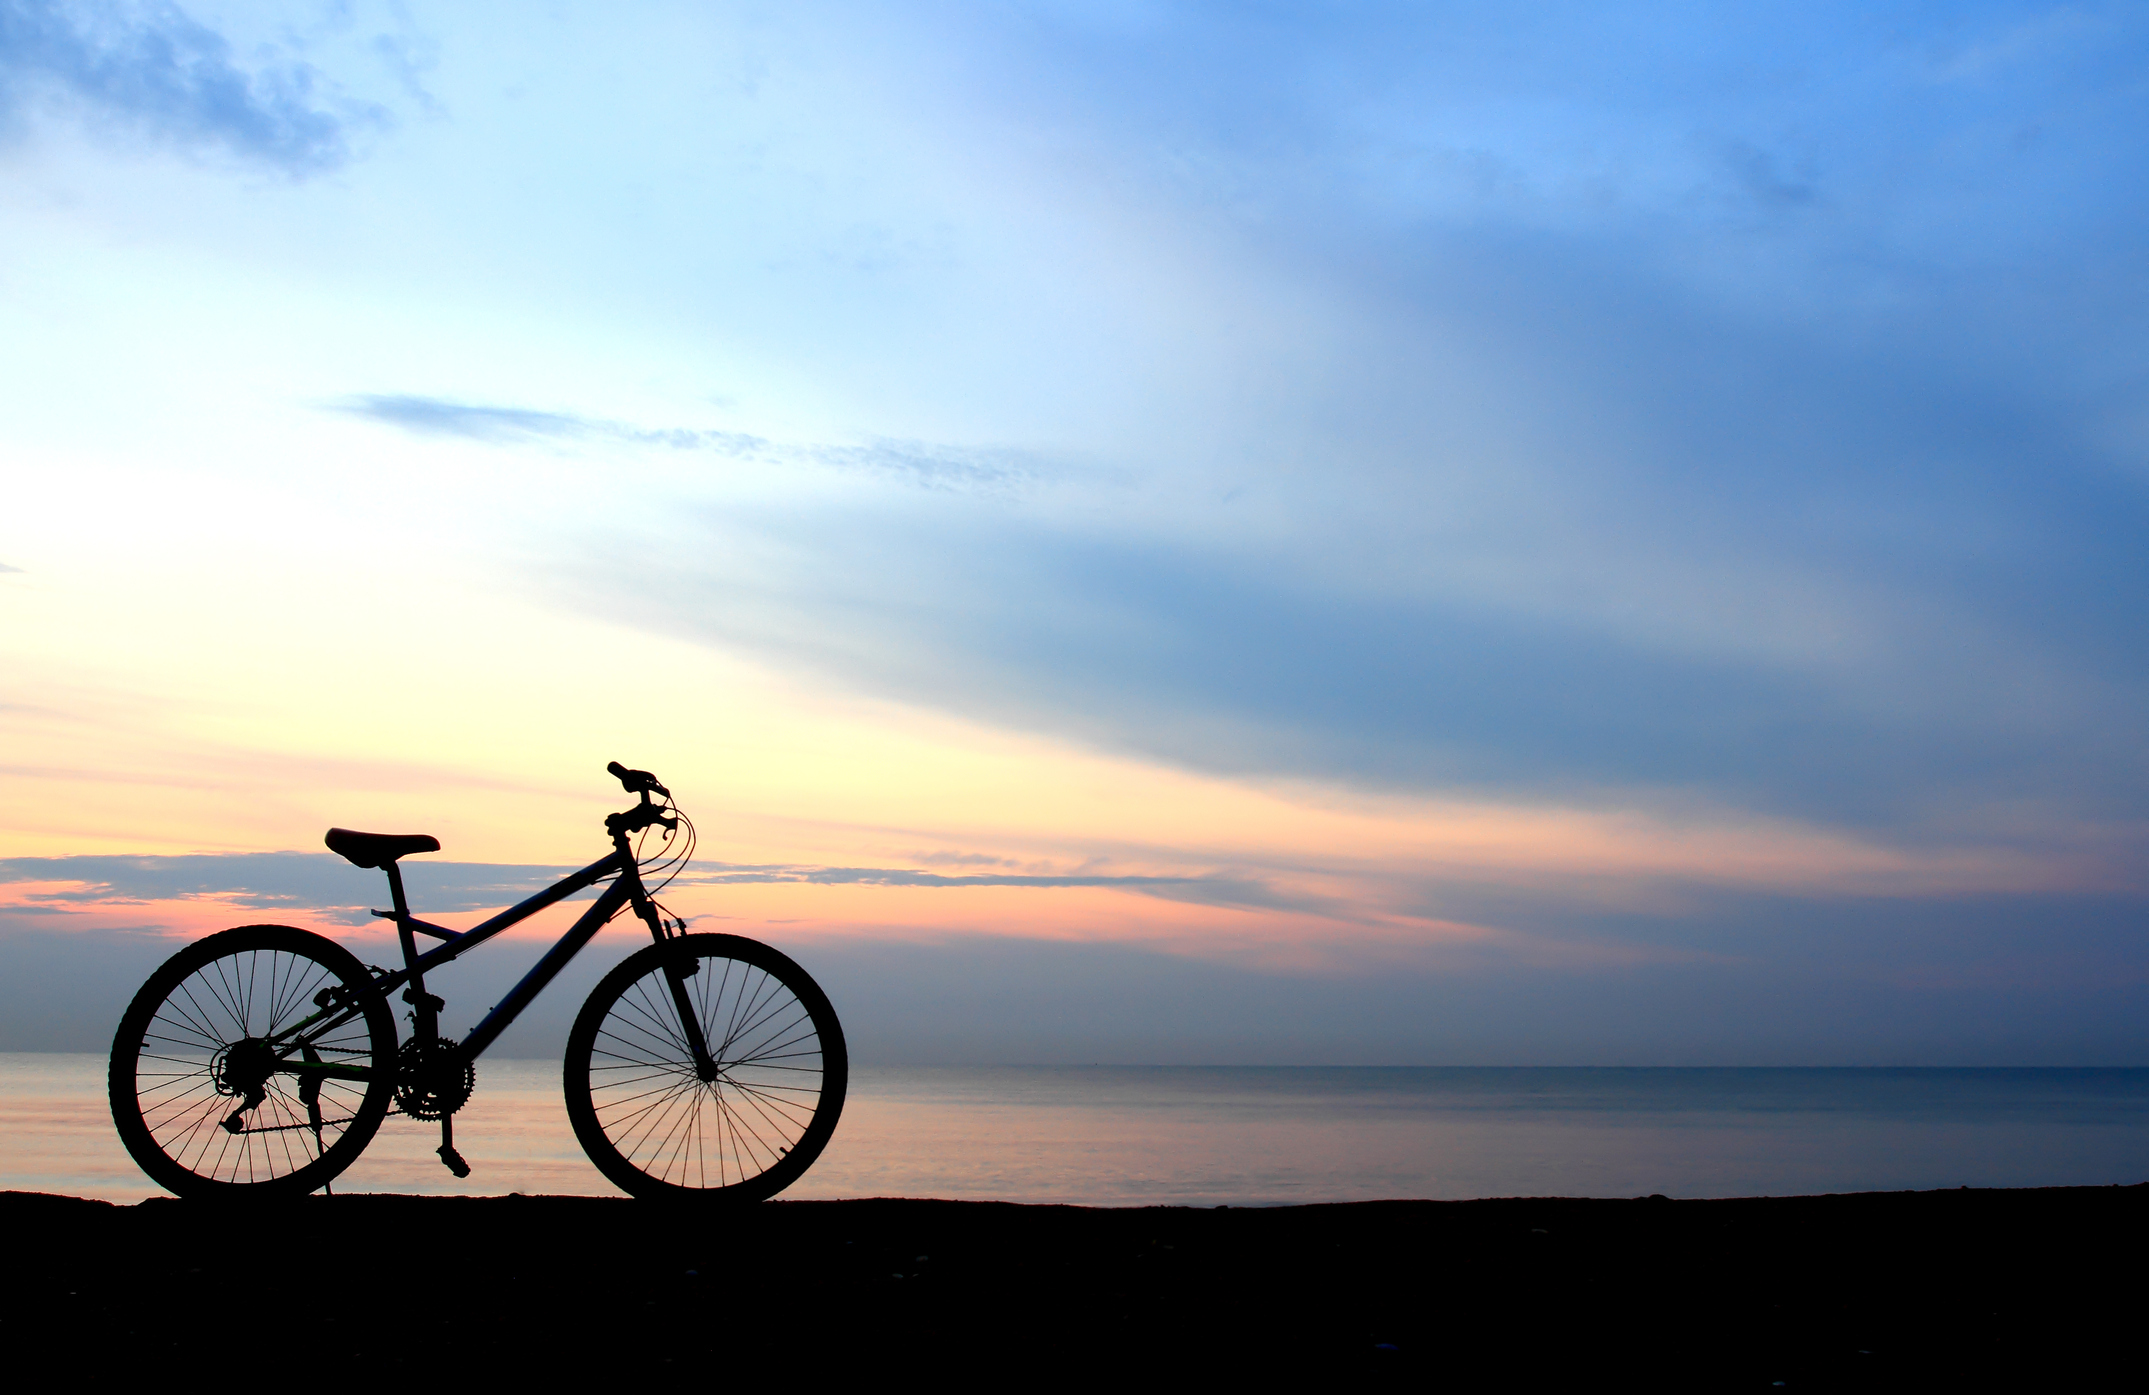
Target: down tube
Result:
[[533, 982]]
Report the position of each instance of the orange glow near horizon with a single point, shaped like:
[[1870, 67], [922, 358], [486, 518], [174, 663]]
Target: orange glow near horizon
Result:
[[489, 727]]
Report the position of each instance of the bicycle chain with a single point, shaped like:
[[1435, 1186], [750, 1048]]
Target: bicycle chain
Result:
[[286, 1128]]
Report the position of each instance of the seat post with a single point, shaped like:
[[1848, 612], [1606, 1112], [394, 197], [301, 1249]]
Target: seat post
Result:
[[421, 1003]]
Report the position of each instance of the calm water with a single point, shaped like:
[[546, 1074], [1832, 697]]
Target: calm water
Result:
[[1123, 1136]]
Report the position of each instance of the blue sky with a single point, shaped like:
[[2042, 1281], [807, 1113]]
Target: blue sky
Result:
[[1673, 418]]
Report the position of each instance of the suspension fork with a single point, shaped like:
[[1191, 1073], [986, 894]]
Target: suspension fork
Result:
[[678, 968]]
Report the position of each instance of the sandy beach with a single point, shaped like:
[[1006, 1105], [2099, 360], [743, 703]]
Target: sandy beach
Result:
[[1901, 1290]]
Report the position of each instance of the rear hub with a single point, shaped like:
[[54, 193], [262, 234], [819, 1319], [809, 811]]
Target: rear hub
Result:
[[244, 1067]]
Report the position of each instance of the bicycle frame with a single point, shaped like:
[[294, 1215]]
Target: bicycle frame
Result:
[[627, 888], [263, 1059]]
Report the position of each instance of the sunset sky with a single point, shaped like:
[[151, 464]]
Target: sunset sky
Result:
[[1415, 533]]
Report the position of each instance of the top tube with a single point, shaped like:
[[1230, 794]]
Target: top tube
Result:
[[610, 864]]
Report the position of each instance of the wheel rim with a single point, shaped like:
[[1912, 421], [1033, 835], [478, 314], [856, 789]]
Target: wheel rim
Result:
[[186, 1086], [667, 1122]]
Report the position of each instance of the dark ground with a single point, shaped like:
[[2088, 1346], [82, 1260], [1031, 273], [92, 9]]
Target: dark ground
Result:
[[2017, 1290]]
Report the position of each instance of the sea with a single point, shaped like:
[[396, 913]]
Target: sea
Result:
[[1240, 1136]]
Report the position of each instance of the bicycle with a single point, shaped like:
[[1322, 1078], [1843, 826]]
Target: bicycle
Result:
[[262, 1060]]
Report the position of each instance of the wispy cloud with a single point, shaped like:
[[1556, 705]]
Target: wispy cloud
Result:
[[263, 881], [434, 416], [5, 568], [319, 879], [440, 416], [724, 873], [921, 464], [937, 467], [151, 69]]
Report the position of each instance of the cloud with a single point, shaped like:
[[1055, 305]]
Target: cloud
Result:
[[1547, 527], [266, 881], [724, 873], [433, 416], [1728, 446], [920, 464], [962, 859], [436, 416], [1224, 664], [326, 886], [151, 68], [5, 569], [938, 467], [1207, 889], [322, 880]]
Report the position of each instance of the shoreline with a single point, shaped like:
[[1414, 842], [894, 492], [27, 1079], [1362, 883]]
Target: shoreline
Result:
[[1961, 1288]]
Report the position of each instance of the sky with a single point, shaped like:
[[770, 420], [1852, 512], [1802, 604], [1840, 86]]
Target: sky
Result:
[[1141, 532]]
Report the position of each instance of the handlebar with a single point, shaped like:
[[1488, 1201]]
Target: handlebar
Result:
[[639, 782], [638, 818]]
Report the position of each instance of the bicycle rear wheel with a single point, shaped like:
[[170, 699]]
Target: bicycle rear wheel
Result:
[[645, 1114], [208, 1107]]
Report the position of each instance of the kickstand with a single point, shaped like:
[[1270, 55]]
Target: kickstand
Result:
[[448, 1155]]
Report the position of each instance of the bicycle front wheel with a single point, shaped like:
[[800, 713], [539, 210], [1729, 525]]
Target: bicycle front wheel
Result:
[[209, 1097], [743, 1128]]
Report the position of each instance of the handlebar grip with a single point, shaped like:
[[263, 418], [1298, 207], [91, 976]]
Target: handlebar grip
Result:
[[637, 781]]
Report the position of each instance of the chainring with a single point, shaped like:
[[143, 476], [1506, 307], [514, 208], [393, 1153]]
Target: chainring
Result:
[[432, 1080]]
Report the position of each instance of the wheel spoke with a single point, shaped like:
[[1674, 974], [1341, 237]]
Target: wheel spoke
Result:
[[195, 1052], [646, 1113]]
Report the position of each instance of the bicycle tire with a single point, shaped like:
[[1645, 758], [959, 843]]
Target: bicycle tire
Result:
[[653, 1127], [170, 1080]]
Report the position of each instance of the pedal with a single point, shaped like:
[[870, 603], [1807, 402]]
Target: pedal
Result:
[[453, 1160]]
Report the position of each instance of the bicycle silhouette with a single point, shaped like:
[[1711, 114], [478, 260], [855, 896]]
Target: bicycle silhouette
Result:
[[262, 1060]]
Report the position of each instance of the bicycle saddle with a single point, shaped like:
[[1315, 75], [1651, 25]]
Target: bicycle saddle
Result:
[[378, 849]]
